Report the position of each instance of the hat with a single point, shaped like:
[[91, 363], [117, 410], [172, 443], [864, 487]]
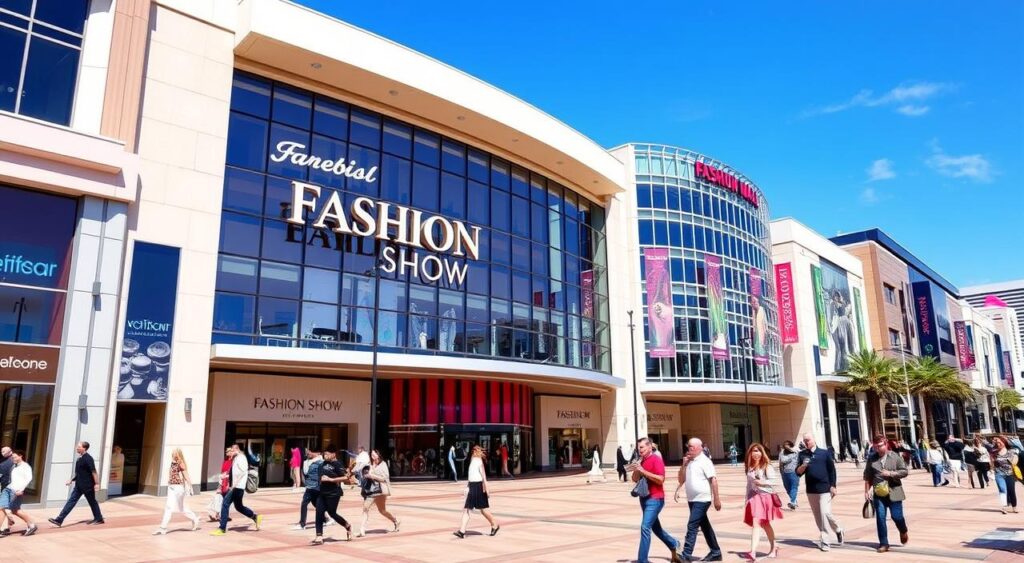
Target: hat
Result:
[[868, 511]]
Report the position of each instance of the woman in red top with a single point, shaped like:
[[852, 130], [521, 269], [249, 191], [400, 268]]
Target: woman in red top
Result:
[[296, 466], [213, 510]]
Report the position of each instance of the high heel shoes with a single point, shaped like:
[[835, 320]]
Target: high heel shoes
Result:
[[773, 554]]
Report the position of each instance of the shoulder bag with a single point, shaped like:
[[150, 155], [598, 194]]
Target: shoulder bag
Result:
[[641, 490]]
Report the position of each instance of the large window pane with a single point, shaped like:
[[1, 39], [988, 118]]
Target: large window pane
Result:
[[237, 274], [234, 313], [330, 118], [278, 321], [247, 142], [279, 280], [292, 106], [321, 285], [50, 76], [243, 191], [65, 14], [12, 45], [239, 234], [31, 315], [319, 325]]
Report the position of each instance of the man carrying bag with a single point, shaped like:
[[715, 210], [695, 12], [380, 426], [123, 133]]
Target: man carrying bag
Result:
[[883, 486]]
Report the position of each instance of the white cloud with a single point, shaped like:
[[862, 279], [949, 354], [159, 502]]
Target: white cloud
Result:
[[869, 196], [908, 99], [974, 167], [880, 169]]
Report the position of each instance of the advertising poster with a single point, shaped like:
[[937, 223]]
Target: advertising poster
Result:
[[659, 303], [149, 323], [1008, 369], [924, 313], [858, 309], [760, 342], [787, 305], [838, 310], [963, 346], [819, 308], [716, 308], [115, 483]]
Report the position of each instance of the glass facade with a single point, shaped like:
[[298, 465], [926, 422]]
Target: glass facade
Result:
[[695, 218], [42, 43], [536, 292]]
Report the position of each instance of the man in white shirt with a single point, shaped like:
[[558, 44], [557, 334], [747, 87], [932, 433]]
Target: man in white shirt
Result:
[[239, 477], [12, 495], [698, 475]]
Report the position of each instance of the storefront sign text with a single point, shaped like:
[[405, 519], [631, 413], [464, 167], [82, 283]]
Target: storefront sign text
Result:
[[286, 404], [19, 265], [29, 364], [725, 180], [292, 151], [573, 415]]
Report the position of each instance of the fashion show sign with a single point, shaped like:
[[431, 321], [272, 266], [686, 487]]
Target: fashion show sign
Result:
[[659, 303], [787, 306], [723, 179], [149, 324]]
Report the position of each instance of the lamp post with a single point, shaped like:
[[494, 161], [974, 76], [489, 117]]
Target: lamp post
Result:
[[906, 384], [632, 360], [747, 430], [375, 272]]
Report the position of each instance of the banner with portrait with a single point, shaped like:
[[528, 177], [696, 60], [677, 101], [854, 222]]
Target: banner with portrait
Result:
[[760, 319], [660, 321], [837, 328], [716, 308]]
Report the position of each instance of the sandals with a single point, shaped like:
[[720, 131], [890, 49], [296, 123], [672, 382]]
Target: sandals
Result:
[[773, 554], [319, 540], [494, 530]]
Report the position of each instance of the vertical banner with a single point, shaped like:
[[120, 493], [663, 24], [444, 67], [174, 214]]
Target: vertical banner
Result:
[[819, 308], [924, 312], [858, 308], [149, 323], [1008, 368], [787, 306], [716, 308], [760, 320], [659, 303], [963, 346]]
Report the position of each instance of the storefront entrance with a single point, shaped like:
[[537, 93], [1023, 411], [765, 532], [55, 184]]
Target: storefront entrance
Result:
[[270, 445], [422, 452]]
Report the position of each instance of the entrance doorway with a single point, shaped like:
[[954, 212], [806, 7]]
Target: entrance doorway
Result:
[[568, 448], [661, 440], [422, 451], [269, 445], [130, 449]]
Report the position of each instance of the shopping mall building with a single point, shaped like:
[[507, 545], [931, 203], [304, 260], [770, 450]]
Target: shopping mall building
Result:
[[254, 211]]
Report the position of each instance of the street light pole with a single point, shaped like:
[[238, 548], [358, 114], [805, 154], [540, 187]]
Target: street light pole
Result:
[[632, 360], [747, 430], [906, 383], [373, 362]]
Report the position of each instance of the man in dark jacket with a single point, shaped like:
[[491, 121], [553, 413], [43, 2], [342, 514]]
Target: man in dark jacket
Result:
[[819, 471], [87, 482], [883, 487], [6, 466], [620, 464]]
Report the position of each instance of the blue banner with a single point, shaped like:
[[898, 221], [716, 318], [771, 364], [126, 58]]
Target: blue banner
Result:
[[924, 312], [149, 324]]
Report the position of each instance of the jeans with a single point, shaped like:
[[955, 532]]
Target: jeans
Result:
[[328, 506], [234, 496], [792, 483], [651, 508], [936, 474], [90, 497], [308, 497], [882, 504], [699, 519], [915, 460], [1007, 486]]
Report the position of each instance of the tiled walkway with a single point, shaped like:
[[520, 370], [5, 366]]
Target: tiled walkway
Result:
[[557, 518]]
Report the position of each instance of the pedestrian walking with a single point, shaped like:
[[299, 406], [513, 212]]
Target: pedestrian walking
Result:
[[295, 464], [477, 497], [970, 460], [217, 502], [649, 475], [311, 482], [332, 474], [787, 467], [179, 485], [620, 464], [915, 455], [1004, 460], [376, 490], [239, 476], [819, 471], [760, 509], [362, 460], [954, 449], [12, 495], [595, 467], [451, 463], [503, 453], [982, 463], [733, 455], [6, 467], [698, 478], [87, 482], [883, 487], [855, 452]]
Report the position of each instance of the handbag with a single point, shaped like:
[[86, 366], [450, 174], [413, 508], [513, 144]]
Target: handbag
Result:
[[881, 489], [1016, 473], [868, 511], [371, 488], [776, 500], [641, 489]]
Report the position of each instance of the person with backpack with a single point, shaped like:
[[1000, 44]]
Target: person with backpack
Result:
[[883, 487], [239, 477]]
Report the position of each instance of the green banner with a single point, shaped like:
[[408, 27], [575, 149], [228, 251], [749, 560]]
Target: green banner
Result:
[[860, 319], [819, 308]]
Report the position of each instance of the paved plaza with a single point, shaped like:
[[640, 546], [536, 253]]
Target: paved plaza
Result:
[[548, 518]]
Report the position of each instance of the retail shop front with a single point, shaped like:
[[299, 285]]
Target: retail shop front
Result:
[[663, 429], [572, 427], [269, 415]]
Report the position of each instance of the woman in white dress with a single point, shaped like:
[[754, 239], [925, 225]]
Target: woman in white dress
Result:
[[179, 485], [595, 467]]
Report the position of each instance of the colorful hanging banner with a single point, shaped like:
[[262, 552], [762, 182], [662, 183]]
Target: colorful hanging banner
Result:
[[860, 320], [716, 308], [963, 346], [787, 305], [760, 319], [819, 308], [924, 312], [1008, 368], [659, 303]]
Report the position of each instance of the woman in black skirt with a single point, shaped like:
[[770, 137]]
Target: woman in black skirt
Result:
[[476, 494]]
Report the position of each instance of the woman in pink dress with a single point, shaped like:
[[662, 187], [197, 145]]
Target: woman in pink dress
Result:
[[295, 463], [760, 509]]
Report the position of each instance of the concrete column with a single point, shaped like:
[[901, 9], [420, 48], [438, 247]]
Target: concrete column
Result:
[[862, 410]]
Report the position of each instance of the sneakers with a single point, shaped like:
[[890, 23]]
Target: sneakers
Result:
[[218, 532], [195, 524], [398, 523], [91, 522], [882, 548], [360, 533], [839, 536], [30, 530], [56, 523], [259, 521], [160, 531], [792, 506], [299, 527]]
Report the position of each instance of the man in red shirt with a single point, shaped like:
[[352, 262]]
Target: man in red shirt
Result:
[[652, 468]]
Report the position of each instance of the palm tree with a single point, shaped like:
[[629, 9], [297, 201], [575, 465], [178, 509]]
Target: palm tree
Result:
[[1008, 399], [936, 381], [876, 376]]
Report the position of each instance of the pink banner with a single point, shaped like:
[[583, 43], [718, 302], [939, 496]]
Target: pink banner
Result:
[[787, 306], [1008, 369], [963, 346], [716, 308], [660, 321], [760, 342]]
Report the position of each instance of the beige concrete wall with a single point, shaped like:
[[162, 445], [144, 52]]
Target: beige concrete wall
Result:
[[704, 422]]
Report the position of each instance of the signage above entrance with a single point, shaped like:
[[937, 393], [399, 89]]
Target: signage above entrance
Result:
[[28, 364], [725, 180]]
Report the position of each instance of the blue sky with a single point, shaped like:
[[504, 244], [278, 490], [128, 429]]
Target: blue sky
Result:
[[907, 116]]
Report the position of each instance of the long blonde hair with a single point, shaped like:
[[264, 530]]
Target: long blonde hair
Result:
[[176, 453]]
